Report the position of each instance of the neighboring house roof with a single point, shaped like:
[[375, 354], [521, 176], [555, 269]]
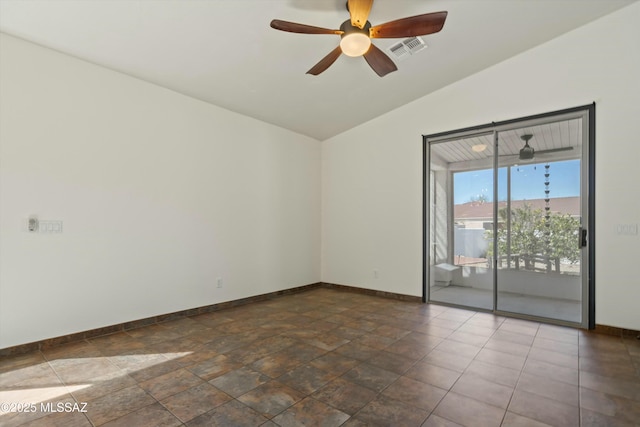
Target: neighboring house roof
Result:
[[484, 210]]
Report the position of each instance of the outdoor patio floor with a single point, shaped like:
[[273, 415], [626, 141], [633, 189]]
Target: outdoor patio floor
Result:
[[551, 308]]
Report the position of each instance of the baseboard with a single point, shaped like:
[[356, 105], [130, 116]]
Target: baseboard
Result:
[[94, 333], [365, 291], [619, 332]]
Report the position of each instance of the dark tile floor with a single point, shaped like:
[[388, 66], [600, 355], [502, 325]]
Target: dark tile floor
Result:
[[328, 358]]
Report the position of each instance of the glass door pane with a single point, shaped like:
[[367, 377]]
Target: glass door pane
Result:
[[539, 217], [461, 218]]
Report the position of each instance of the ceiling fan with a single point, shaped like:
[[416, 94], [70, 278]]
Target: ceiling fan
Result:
[[356, 34], [528, 152]]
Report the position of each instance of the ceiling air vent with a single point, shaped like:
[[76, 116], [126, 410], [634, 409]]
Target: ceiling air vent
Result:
[[407, 47]]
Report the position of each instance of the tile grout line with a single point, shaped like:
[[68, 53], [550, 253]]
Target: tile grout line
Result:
[[450, 390]]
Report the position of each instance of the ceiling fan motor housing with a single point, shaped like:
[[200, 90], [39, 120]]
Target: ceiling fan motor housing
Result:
[[527, 152], [349, 29]]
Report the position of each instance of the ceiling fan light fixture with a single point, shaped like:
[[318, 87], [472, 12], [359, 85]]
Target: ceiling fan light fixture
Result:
[[355, 41], [355, 44]]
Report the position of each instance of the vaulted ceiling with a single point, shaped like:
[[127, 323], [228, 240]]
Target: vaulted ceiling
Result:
[[223, 51]]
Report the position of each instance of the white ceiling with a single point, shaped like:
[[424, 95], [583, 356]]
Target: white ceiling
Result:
[[224, 52]]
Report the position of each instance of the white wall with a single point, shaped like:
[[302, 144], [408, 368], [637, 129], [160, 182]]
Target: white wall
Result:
[[159, 195], [372, 175]]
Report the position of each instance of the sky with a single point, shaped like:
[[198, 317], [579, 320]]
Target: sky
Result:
[[527, 182]]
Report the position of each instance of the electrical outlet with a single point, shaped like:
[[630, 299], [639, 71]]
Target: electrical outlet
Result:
[[375, 274], [219, 282]]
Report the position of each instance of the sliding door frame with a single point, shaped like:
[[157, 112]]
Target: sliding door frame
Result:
[[587, 112]]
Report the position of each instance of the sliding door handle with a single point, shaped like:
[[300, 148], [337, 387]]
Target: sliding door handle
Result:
[[582, 235]]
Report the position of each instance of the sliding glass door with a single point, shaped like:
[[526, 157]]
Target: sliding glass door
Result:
[[539, 253], [507, 213], [461, 216]]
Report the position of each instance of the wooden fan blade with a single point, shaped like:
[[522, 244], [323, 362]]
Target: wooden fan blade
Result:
[[359, 11], [379, 61], [293, 27], [325, 62], [419, 25]]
